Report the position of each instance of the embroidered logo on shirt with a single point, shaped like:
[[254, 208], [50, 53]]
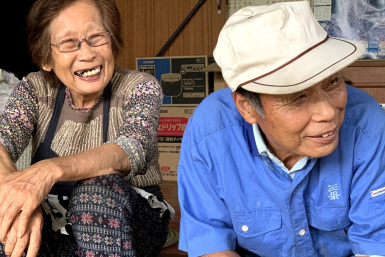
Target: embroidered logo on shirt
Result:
[[333, 190], [377, 192]]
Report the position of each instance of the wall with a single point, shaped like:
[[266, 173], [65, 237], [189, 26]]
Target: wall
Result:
[[367, 75], [148, 24]]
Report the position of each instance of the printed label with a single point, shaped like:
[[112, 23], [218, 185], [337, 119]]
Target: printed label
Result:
[[377, 192], [172, 126]]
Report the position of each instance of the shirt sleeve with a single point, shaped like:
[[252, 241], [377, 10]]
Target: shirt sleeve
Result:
[[367, 232], [205, 225], [139, 134], [19, 119]]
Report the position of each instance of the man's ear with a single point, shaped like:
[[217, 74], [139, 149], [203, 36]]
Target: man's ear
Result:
[[47, 67], [245, 108]]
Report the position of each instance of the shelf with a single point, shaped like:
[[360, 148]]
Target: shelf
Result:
[[368, 63]]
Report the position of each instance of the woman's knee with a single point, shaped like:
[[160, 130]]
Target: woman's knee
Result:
[[106, 185], [108, 194]]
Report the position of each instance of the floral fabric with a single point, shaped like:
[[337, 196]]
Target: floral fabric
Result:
[[109, 219]]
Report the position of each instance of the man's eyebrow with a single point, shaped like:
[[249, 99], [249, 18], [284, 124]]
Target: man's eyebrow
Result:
[[288, 97], [284, 99], [338, 73]]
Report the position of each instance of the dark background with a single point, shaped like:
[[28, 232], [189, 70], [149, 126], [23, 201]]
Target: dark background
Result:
[[14, 53]]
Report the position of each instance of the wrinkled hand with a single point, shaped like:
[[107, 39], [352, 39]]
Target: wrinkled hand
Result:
[[15, 246], [21, 193]]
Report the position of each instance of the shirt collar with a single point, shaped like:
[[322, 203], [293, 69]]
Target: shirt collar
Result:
[[258, 147], [249, 136], [261, 146]]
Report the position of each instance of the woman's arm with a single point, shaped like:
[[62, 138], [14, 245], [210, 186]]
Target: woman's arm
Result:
[[106, 159], [7, 166], [24, 190], [222, 254], [138, 135], [19, 120]]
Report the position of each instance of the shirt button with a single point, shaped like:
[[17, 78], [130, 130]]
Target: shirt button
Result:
[[245, 228], [302, 232]]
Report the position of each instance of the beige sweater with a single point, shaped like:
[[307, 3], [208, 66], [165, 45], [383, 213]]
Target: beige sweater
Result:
[[133, 123]]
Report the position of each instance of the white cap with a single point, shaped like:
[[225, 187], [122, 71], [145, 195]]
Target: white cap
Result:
[[280, 49]]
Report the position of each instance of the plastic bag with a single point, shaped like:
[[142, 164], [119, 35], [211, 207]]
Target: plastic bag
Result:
[[8, 81]]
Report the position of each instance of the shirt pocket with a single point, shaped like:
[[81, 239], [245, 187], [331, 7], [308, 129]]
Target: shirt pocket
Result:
[[328, 218], [257, 228], [328, 227]]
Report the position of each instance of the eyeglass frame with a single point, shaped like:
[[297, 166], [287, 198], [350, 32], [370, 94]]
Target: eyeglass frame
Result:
[[85, 39]]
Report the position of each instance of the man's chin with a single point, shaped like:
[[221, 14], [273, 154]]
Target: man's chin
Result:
[[323, 151]]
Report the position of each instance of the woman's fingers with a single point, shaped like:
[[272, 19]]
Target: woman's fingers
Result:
[[22, 192], [20, 246], [35, 228], [11, 239], [7, 219], [24, 219], [15, 246], [34, 243], [11, 213], [9, 205]]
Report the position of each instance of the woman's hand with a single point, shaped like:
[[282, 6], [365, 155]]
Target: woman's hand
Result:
[[21, 193], [222, 254], [15, 246]]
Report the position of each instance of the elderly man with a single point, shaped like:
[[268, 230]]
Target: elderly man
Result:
[[287, 161]]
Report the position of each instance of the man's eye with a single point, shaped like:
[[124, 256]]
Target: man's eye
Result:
[[335, 80], [334, 83], [302, 96], [298, 100]]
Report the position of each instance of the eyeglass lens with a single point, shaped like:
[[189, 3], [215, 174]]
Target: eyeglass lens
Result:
[[74, 44]]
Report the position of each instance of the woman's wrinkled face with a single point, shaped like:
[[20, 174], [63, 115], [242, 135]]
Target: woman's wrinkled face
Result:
[[87, 71]]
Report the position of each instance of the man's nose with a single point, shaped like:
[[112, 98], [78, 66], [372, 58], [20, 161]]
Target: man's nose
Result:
[[323, 108]]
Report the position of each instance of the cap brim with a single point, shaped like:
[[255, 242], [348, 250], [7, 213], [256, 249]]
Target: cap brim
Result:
[[307, 70]]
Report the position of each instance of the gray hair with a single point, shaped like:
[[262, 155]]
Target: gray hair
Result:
[[253, 99]]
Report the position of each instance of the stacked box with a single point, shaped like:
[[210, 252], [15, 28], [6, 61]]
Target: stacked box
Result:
[[172, 124], [182, 77], [185, 84]]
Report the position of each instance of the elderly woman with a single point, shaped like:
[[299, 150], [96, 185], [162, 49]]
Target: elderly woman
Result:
[[89, 121]]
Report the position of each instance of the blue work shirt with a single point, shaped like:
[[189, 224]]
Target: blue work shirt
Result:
[[233, 198]]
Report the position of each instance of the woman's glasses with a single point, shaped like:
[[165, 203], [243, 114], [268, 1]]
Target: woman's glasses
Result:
[[74, 44]]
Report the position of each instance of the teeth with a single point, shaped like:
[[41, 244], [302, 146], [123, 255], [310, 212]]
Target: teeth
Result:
[[88, 73], [328, 134]]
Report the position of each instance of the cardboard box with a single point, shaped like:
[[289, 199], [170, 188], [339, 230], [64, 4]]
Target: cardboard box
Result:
[[182, 77], [216, 79], [172, 124]]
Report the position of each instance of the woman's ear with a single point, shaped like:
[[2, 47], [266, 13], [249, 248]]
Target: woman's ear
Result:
[[245, 108], [47, 67]]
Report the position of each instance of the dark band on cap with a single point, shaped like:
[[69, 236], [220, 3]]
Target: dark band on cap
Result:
[[303, 53]]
